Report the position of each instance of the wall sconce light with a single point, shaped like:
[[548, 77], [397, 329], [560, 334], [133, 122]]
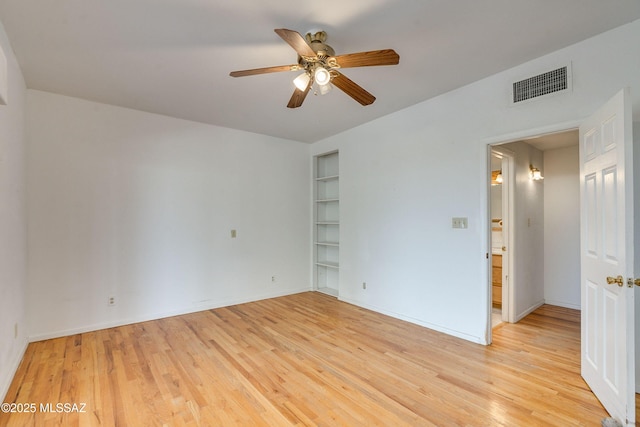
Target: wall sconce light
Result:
[[496, 177], [535, 174]]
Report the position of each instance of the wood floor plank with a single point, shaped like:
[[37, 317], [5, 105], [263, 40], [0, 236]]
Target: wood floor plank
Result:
[[307, 360]]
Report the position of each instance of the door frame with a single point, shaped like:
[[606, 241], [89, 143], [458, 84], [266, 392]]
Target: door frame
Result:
[[491, 144], [508, 206]]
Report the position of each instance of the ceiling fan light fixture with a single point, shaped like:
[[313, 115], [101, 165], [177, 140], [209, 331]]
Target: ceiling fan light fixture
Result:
[[319, 63], [322, 76], [324, 89], [302, 81]]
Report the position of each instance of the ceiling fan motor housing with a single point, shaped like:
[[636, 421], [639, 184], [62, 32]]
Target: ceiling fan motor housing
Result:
[[317, 42]]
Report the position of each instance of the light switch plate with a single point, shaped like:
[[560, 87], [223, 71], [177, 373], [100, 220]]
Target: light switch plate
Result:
[[459, 222]]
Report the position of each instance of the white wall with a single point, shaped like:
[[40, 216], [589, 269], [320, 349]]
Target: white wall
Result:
[[562, 227], [12, 222], [140, 206], [405, 175]]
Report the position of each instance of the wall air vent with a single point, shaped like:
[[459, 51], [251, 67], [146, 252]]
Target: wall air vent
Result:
[[543, 84]]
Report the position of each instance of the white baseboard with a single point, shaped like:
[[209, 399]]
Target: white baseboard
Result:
[[9, 374], [438, 328], [563, 304], [210, 305], [530, 310]]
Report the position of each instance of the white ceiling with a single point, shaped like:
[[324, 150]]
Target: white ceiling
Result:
[[554, 141], [173, 57]]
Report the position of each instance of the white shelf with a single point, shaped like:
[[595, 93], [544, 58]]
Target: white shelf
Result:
[[328, 264], [328, 243], [327, 178], [327, 200]]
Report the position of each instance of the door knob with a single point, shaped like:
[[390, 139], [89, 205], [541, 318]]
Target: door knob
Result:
[[616, 280]]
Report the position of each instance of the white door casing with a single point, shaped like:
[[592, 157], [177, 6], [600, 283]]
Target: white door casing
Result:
[[606, 246], [508, 174], [508, 291]]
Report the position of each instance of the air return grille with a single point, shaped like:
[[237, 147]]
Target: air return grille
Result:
[[542, 84]]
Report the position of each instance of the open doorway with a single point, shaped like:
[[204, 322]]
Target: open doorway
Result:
[[534, 225], [604, 240]]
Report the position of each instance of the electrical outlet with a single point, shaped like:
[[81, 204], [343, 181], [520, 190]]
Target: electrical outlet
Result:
[[364, 285], [15, 330], [234, 234], [273, 279], [112, 301], [459, 223]]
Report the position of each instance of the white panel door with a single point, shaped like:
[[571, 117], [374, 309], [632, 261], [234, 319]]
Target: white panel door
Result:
[[606, 215]]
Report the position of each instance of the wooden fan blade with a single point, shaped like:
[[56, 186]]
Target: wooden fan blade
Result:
[[296, 41], [352, 89], [265, 70], [298, 97], [366, 59]]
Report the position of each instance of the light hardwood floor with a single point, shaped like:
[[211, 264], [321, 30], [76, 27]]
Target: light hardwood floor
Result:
[[308, 359]]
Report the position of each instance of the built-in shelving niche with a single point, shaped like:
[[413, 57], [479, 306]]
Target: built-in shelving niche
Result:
[[326, 249]]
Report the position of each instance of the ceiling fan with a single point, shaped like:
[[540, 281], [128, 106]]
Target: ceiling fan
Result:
[[320, 66]]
